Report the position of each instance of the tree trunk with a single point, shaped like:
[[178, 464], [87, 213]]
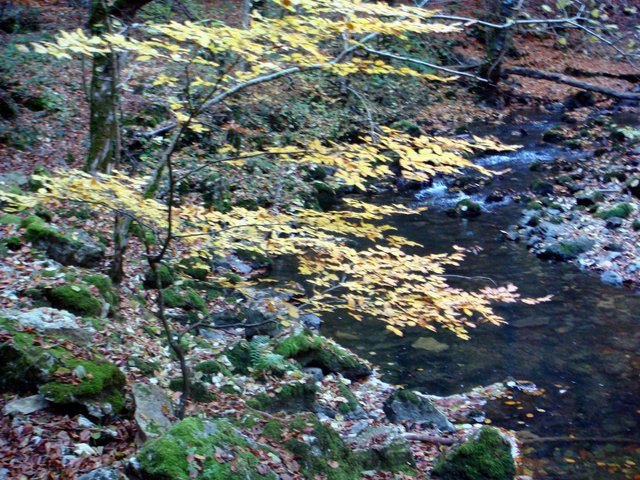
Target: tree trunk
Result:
[[104, 131], [498, 40], [104, 128]]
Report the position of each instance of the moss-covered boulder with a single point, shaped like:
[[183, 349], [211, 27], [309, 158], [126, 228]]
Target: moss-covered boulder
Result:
[[487, 456], [311, 350], [69, 249], [75, 299], [167, 277], [588, 199], [105, 286], [195, 268], [209, 368], [258, 357], [326, 196], [541, 187], [170, 457], [94, 384], [187, 298], [31, 362], [467, 209], [383, 448], [406, 405], [290, 398], [321, 452]]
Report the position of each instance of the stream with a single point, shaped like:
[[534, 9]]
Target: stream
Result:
[[581, 348]]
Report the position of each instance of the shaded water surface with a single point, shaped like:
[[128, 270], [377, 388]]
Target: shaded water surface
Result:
[[581, 347]]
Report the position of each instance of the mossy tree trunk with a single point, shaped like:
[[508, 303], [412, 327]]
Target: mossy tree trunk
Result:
[[498, 39], [104, 129]]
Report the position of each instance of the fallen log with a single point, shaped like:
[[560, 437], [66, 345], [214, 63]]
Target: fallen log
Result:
[[559, 78]]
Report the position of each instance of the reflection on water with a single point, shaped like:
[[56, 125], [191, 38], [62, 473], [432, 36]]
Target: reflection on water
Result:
[[582, 347]]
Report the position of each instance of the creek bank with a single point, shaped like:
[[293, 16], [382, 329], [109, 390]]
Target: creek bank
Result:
[[591, 214]]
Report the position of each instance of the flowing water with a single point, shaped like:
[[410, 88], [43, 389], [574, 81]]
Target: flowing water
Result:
[[581, 348]]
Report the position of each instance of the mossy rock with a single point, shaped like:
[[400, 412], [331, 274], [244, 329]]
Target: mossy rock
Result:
[[633, 185], [541, 187], [24, 366], [10, 219], [311, 350], [13, 243], [588, 199], [187, 299], [257, 357], [292, 398], [195, 268], [323, 454], [27, 367], [326, 196], [197, 390], [99, 390], [26, 221], [351, 404], [208, 368], [76, 299], [621, 210], [383, 448], [636, 225], [63, 248], [487, 456], [167, 277], [568, 250], [105, 286], [534, 205], [467, 209], [166, 458]]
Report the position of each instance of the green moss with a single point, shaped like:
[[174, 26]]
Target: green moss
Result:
[[166, 457], [74, 298], [314, 350], [10, 219], [13, 243], [468, 208], [240, 357], [167, 277], [273, 429], [39, 232], [352, 402], [102, 382], [187, 299], [331, 448], [105, 287], [198, 390], [212, 367], [487, 457], [292, 398], [31, 219], [636, 225], [621, 210]]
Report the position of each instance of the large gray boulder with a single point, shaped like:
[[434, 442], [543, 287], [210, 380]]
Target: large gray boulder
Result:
[[153, 408], [52, 322], [409, 406]]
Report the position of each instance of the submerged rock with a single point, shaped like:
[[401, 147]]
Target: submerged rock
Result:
[[467, 209], [409, 406], [486, 456], [430, 344]]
